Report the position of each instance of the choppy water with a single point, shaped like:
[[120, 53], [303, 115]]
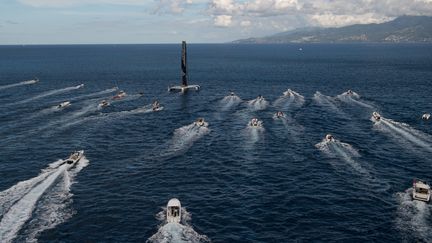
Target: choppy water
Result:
[[277, 184]]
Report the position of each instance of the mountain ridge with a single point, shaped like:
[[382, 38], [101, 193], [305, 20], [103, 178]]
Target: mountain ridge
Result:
[[404, 29]]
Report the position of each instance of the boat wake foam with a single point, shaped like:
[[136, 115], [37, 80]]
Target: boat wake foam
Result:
[[8, 86], [354, 99], [344, 151], [327, 102], [258, 104], [405, 132], [290, 99], [230, 101], [253, 134], [174, 232], [46, 94], [45, 198], [413, 218], [184, 137]]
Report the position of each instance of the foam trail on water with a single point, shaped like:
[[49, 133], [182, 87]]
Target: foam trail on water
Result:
[[8, 86], [258, 104], [21, 199], [253, 134], [343, 151], [230, 101], [409, 134], [107, 91], [48, 93], [413, 217], [354, 99], [185, 136], [175, 232], [289, 99], [326, 101]]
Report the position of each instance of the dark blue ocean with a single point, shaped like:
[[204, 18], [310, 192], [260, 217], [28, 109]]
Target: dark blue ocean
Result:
[[280, 183]]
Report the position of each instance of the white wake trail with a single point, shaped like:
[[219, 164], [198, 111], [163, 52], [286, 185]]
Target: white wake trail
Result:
[[405, 133], [289, 99], [176, 232], [229, 102], [354, 99], [23, 198], [8, 86], [326, 101], [258, 104], [47, 93], [413, 217]]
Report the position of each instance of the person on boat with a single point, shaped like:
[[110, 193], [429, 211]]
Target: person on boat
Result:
[[279, 114], [155, 105], [350, 92]]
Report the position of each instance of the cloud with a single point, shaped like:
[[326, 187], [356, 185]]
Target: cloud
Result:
[[70, 3], [172, 6], [245, 23], [223, 20]]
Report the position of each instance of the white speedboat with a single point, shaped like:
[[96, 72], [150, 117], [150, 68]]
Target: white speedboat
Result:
[[329, 138], [201, 123], [421, 191], [80, 86], [64, 104], [255, 123], [156, 106], [121, 94], [279, 115], [173, 211], [103, 104], [376, 116], [74, 158], [287, 93], [426, 116]]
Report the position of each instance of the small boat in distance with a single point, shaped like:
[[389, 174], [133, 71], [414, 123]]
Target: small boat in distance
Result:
[[103, 104], [173, 211], [184, 68], [421, 191], [255, 123], [201, 123], [64, 104], [80, 86], [32, 81], [279, 115], [426, 116], [376, 116], [156, 106], [329, 138], [73, 159], [121, 94]]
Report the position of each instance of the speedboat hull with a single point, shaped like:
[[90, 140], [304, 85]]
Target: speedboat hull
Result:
[[74, 158], [183, 89]]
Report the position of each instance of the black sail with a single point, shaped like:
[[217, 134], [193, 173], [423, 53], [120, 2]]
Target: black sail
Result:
[[184, 64]]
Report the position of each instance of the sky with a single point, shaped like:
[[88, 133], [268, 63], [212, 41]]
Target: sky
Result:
[[171, 21]]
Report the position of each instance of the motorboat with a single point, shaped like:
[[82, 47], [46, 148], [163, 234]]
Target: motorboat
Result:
[[184, 87], [232, 94], [421, 191], [80, 86], [121, 94], [173, 211], [200, 122], [287, 93], [74, 158], [376, 116], [64, 104], [103, 104], [349, 92], [279, 115], [33, 81], [426, 116], [255, 123], [329, 138], [156, 106]]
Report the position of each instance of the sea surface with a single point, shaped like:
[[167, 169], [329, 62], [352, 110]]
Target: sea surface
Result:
[[279, 183]]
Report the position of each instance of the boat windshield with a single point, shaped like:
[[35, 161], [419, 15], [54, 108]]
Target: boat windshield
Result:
[[422, 190], [174, 211]]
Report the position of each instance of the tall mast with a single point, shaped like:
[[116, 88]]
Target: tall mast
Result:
[[184, 64]]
